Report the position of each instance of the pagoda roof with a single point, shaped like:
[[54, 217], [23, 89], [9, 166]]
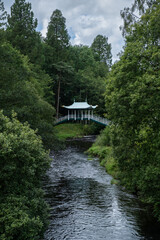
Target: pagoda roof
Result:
[[80, 105]]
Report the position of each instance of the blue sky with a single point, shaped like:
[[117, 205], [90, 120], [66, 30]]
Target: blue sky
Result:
[[85, 19]]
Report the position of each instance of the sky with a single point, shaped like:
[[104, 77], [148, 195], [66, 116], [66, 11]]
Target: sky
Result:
[[85, 19]]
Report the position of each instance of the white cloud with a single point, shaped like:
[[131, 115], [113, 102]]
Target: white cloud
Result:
[[85, 19], [76, 40], [44, 26]]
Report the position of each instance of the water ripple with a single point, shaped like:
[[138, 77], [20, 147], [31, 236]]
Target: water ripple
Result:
[[85, 206]]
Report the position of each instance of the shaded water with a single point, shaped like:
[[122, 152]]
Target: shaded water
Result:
[[85, 206]]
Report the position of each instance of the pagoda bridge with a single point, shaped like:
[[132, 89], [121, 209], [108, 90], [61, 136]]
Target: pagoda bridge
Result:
[[80, 111]]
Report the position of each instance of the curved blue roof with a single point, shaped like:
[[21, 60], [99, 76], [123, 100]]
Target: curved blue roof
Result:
[[80, 105]]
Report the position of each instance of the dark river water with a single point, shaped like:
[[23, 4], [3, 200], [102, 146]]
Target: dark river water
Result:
[[86, 206]]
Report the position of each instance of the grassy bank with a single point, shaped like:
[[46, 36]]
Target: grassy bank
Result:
[[102, 149], [65, 131], [106, 158], [75, 130]]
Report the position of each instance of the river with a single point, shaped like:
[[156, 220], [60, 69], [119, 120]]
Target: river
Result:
[[86, 206]]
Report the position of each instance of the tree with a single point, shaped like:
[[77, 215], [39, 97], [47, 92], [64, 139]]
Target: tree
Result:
[[133, 103], [130, 17], [21, 31], [3, 14], [57, 35], [63, 69], [58, 41], [102, 50], [23, 91], [75, 71], [24, 161], [88, 80]]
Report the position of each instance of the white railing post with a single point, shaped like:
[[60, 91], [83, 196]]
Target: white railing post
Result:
[[84, 115], [88, 114]]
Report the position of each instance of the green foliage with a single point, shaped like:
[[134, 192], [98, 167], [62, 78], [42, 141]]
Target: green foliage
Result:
[[105, 155], [69, 130], [102, 50], [58, 43], [92, 128], [88, 79], [21, 31], [103, 150], [23, 218], [129, 14], [75, 72], [3, 14], [133, 103], [24, 91], [42, 82], [104, 138], [23, 162], [99, 151], [74, 130], [57, 34]]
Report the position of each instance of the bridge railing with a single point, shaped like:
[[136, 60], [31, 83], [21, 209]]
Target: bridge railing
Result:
[[95, 118], [61, 119], [100, 120]]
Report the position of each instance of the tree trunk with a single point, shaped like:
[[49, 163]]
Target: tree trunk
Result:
[[58, 97]]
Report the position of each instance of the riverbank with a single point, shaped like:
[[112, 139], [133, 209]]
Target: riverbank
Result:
[[75, 130], [102, 149], [105, 155]]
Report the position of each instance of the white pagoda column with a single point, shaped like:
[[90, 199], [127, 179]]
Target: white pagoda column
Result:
[[74, 114], [81, 114], [68, 115], [88, 114]]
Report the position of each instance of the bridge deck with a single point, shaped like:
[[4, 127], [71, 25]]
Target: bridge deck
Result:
[[93, 118]]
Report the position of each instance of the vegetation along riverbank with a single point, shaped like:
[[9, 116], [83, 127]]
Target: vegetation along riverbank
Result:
[[40, 75], [75, 130], [103, 150]]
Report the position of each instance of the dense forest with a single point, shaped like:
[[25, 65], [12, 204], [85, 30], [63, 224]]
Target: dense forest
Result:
[[133, 104], [38, 75], [130, 147]]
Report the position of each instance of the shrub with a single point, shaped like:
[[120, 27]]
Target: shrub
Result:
[[23, 162], [104, 138]]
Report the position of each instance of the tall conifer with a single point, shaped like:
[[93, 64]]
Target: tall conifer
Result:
[[57, 34], [58, 39], [21, 30], [102, 49]]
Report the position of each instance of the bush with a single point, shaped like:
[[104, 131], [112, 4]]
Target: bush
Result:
[[104, 138], [24, 91], [23, 162], [102, 149]]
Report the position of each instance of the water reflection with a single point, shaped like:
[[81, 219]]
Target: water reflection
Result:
[[86, 206]]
